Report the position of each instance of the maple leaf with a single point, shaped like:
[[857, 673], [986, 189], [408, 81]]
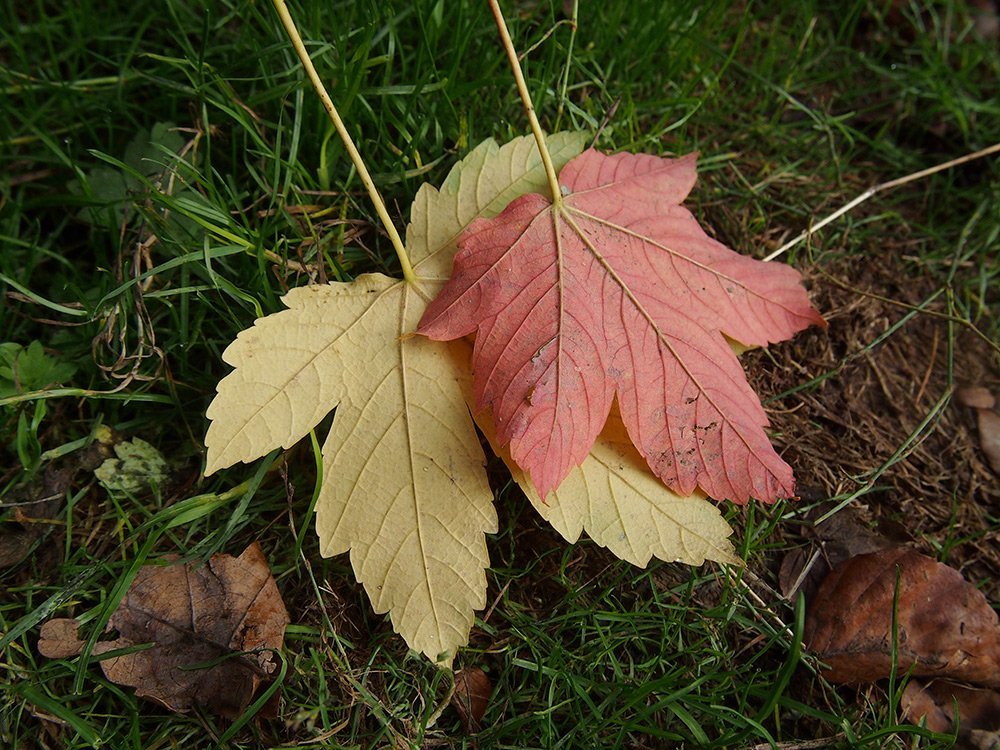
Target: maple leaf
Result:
[[611, 290], [404, 486], [617, 500]]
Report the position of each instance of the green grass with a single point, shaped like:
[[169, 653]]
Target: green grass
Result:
[[139, 281]]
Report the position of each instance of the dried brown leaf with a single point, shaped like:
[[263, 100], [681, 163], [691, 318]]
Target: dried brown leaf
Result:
[[976, 397], [988, 422], [58, 639], [946, 627], [37, 503], [472, 694], [936, 702], [213, 629]]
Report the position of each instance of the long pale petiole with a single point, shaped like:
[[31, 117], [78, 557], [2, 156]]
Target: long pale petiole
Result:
[[359, 164]]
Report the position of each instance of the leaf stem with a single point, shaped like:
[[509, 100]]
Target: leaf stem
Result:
[[522, 88], [352, 151]]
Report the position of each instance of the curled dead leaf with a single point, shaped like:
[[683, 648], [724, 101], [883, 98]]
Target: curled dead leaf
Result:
[[945, 626], [213, 631], [988, 422]]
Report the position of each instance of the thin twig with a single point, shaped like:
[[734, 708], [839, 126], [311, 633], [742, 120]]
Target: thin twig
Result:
[[747, 574], [931, 360], [545, 36], [878, 189]]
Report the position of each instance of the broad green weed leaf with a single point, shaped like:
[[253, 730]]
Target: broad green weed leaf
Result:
[[147, 154], [29, 368], [137, 468], [149, 151], [404, 485]]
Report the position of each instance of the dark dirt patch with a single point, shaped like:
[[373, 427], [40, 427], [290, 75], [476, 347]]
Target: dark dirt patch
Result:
[[876, 391]]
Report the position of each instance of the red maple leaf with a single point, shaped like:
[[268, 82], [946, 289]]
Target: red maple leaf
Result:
[[617, 290]]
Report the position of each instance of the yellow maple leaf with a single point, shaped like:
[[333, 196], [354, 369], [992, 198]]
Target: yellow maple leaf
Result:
[[615, 497], [623, 506], [404, 486]]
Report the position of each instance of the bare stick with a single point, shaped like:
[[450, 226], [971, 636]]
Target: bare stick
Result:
[[522, 88], [352, 151], [878, 189]]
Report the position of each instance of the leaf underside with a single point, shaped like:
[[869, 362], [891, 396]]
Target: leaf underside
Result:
[[404, 488], [617, 291], [404, 485], [617, 500]]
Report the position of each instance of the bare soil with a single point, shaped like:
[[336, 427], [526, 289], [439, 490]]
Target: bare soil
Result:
[[941, 493]]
